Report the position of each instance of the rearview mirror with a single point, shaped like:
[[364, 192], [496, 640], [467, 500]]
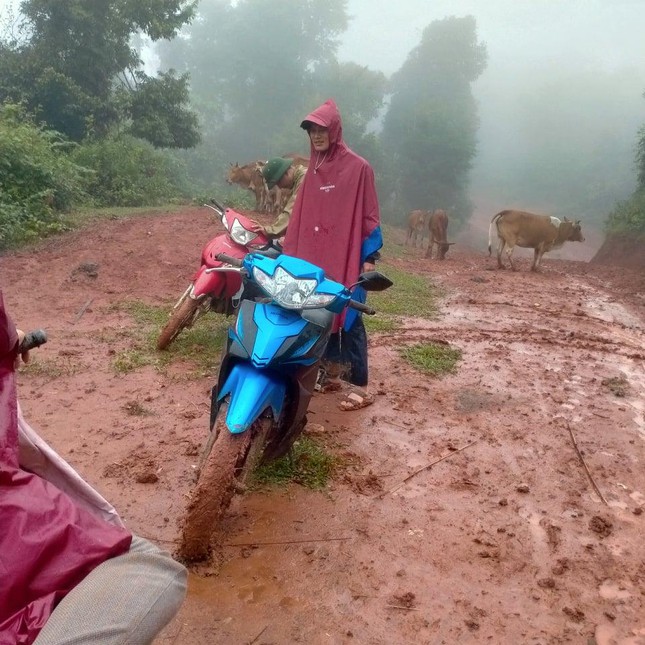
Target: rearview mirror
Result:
[[374, 281]]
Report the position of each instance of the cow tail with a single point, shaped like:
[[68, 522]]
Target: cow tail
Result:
[[490, 230]]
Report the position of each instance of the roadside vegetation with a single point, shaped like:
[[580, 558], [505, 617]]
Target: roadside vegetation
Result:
[[199, 346], [412, 295], [629, 216], [435, 359], [309, 465]]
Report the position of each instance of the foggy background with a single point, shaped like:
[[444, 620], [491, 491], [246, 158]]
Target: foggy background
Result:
[[559, 103]]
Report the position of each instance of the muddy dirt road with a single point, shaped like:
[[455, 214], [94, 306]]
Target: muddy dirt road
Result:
[[506, 540]]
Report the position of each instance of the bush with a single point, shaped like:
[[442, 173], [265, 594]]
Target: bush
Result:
[[628, 216], [38, 180], [130, 172]]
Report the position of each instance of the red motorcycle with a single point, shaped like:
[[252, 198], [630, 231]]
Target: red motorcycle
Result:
[[211, 289]]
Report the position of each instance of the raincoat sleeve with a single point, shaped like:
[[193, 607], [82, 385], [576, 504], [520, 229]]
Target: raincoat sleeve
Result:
[[48, 541]]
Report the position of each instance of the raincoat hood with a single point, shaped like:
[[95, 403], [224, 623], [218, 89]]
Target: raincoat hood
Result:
[[327, 116]]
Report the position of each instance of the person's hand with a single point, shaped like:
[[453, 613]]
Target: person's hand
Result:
[[368, 266], [24, 355], [258, 228]]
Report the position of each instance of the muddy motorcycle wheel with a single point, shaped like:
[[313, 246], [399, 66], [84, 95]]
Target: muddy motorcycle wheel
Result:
[[182, 317], [226, 463]]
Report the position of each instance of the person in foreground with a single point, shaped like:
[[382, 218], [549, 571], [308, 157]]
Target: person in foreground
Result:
[[335, 224], [70, 572], [284, 174]]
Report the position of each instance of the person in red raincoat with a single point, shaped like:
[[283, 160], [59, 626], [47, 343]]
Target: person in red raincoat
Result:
[[335, 224], [69, 570]]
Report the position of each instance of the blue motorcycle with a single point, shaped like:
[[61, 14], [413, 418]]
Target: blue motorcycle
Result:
[[267, 376]]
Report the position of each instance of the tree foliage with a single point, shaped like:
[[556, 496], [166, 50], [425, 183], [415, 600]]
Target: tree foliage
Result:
[[629, 215], [38, 179], [124, 171], [431, 124], [640, 157], [254, 69], [75, 55]]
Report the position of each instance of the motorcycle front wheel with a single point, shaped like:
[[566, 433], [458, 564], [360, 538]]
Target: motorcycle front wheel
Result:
[[182, 317], [227, 461]]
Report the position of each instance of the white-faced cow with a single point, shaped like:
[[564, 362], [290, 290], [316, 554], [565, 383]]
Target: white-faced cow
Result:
[[438, 229], [416, 226], [542, 233]]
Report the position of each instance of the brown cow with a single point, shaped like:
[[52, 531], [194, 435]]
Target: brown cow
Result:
[[438, 228], [541, 233], [250, 176], [416, 226], [297, 159]]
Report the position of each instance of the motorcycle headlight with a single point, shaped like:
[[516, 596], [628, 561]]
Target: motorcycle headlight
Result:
[[290, 292], [240, 234]]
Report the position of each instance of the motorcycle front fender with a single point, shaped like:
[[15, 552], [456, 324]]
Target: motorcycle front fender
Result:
[[208, 284], [252, 391]]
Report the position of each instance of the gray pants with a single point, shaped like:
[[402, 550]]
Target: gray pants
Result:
[[127, 600]]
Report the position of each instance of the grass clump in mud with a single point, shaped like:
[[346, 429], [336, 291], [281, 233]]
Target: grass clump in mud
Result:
[[49, 369], [201, 344], [309, 465], [432, 358], [411, 295]]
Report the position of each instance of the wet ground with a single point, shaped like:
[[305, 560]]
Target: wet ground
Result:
[[501, 504]]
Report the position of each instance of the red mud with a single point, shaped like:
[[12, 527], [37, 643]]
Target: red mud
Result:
[[504, 541]]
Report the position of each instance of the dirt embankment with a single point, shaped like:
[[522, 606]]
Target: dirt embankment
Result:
[[522, 521], [622, 250]]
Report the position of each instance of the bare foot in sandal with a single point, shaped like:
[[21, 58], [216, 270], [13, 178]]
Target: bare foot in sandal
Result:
[[356, 400]]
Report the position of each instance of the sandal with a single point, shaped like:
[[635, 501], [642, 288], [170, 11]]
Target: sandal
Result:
[[356, 400]]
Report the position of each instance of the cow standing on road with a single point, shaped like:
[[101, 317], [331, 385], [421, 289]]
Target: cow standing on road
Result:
[[416, 226], [438, 229], [542, 233]]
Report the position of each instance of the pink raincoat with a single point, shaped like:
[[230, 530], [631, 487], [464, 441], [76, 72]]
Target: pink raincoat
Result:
[[51, 535], [335, 222]]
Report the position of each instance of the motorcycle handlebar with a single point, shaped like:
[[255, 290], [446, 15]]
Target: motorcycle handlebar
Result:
[[33, 339], [359, 306], [236, 262]]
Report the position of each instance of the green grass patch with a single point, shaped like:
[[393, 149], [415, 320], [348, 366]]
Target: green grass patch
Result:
[[432, 358], [411, 296], [83, 216], [309, 465], [50, 369], [131, 359], [200, 345], [381, 323], [392, 249]]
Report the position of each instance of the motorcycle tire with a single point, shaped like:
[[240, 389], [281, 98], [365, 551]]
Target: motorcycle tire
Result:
[[180, 318], [227, 460]]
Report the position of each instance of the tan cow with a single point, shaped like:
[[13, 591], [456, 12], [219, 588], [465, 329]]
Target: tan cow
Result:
[[542, 233], [297, 159], [438, 229], [416, 226], [250, 176]]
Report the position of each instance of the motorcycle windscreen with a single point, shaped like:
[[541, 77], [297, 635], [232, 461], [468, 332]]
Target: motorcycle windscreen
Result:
[[252, 391]]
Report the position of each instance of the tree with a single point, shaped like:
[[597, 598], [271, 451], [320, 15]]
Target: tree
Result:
[[430, 128], [157, 111], [254, 68], [75, 54]]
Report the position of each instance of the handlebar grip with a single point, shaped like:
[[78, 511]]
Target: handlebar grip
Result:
[[33, 339], [359, 306], [236, 262]]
